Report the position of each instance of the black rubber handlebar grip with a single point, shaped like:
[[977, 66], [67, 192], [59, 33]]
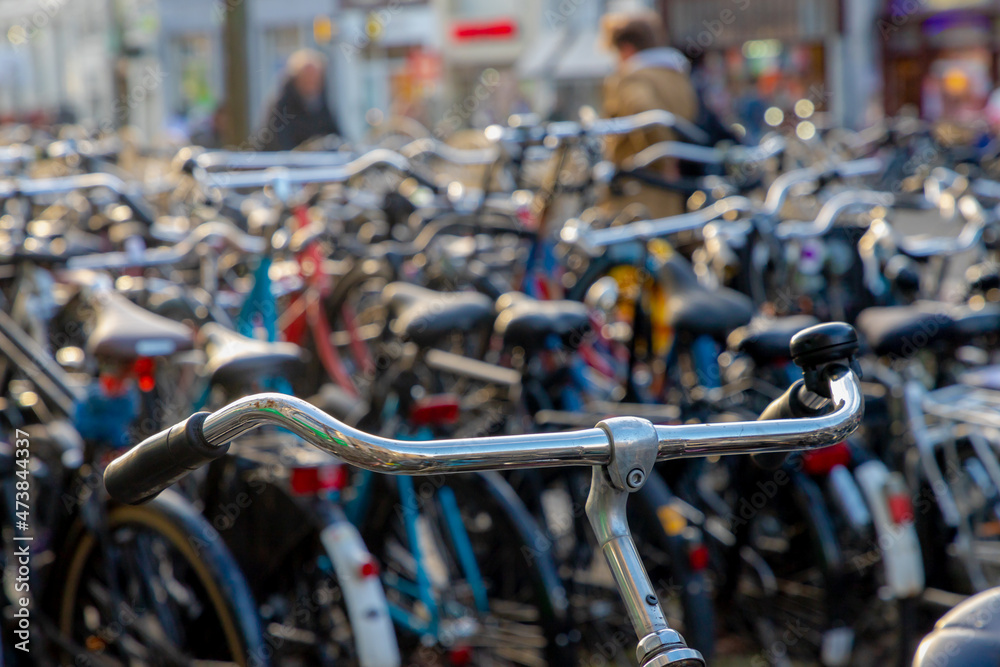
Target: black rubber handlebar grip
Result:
[[160, 460], [787, 406]]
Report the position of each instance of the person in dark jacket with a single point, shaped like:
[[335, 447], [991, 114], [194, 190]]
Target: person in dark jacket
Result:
[[300, 111]]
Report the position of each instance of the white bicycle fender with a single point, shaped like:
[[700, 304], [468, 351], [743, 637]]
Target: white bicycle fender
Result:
[[898, 545], [374, 637]]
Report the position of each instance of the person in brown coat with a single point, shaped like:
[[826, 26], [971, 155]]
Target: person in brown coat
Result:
[[649, 76]]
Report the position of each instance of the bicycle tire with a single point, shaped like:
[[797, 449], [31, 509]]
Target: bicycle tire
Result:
[[697, 606], [513, 531], [171, 518]]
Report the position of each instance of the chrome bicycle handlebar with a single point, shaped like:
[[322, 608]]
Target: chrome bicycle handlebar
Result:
[[206, 231], [380, 157], [385, 455], [62, 184], [585, 447], [248, 160], [643, 120], [782, 185], [736, 155], [834, 207], [643, 230], [457, 156]]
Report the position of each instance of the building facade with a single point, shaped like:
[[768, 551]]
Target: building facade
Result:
[[941, 57]]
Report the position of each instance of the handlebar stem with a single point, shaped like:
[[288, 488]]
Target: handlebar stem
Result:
[[634, 444]]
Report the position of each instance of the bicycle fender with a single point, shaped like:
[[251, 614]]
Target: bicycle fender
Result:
[[375, 639], [898, 544]]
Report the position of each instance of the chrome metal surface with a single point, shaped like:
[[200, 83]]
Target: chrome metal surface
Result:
[[983, 187], [962, 403], [459, 156], [770, 147], [217, 230], [606, 511], [782, 435], [16, 153], [666, 647], [675, 149], [210, 160], [678, 657], [650, 229], [59, 184], [585, 447], [836, 206], [783, 185], [967, 239], [380, 157], [653, 118], [633, 449]]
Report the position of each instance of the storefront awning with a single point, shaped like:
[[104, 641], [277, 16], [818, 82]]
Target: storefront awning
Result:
[[540, 58], [586, 58]]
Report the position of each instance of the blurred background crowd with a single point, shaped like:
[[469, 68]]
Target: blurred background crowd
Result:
[[208, 71]]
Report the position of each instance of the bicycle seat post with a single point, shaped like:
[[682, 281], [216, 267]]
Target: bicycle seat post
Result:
[[634, 444]]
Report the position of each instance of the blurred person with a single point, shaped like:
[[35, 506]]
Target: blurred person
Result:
[[300, 111], [750, 109], [649, 76], [992, 111], [212, 131]]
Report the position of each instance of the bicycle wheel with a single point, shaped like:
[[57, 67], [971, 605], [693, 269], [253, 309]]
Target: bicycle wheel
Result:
[[790, 578], [508, 608], [659, 530], [157, 588]]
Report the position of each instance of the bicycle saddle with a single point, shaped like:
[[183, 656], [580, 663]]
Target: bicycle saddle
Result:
[[767, 339], [903, 330], [703, 312], [528, 323], [983, 277], [235, 359], [397, 296], [969, 634], [425, 316], [124, 331], [973, 322]]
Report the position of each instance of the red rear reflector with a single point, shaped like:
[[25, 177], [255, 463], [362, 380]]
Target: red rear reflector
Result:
[[368, 569], [900, 508], [460, 656], [822, 461], [112, 385], [698, 557], [317, 479], [435, 409], [144, 368]]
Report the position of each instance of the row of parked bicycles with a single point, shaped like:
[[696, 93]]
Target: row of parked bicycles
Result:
[[392, 400]]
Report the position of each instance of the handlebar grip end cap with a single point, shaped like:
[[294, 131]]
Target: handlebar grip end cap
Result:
[[160, 460]]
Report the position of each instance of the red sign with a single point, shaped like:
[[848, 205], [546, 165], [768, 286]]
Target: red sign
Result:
[[475, 30]]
